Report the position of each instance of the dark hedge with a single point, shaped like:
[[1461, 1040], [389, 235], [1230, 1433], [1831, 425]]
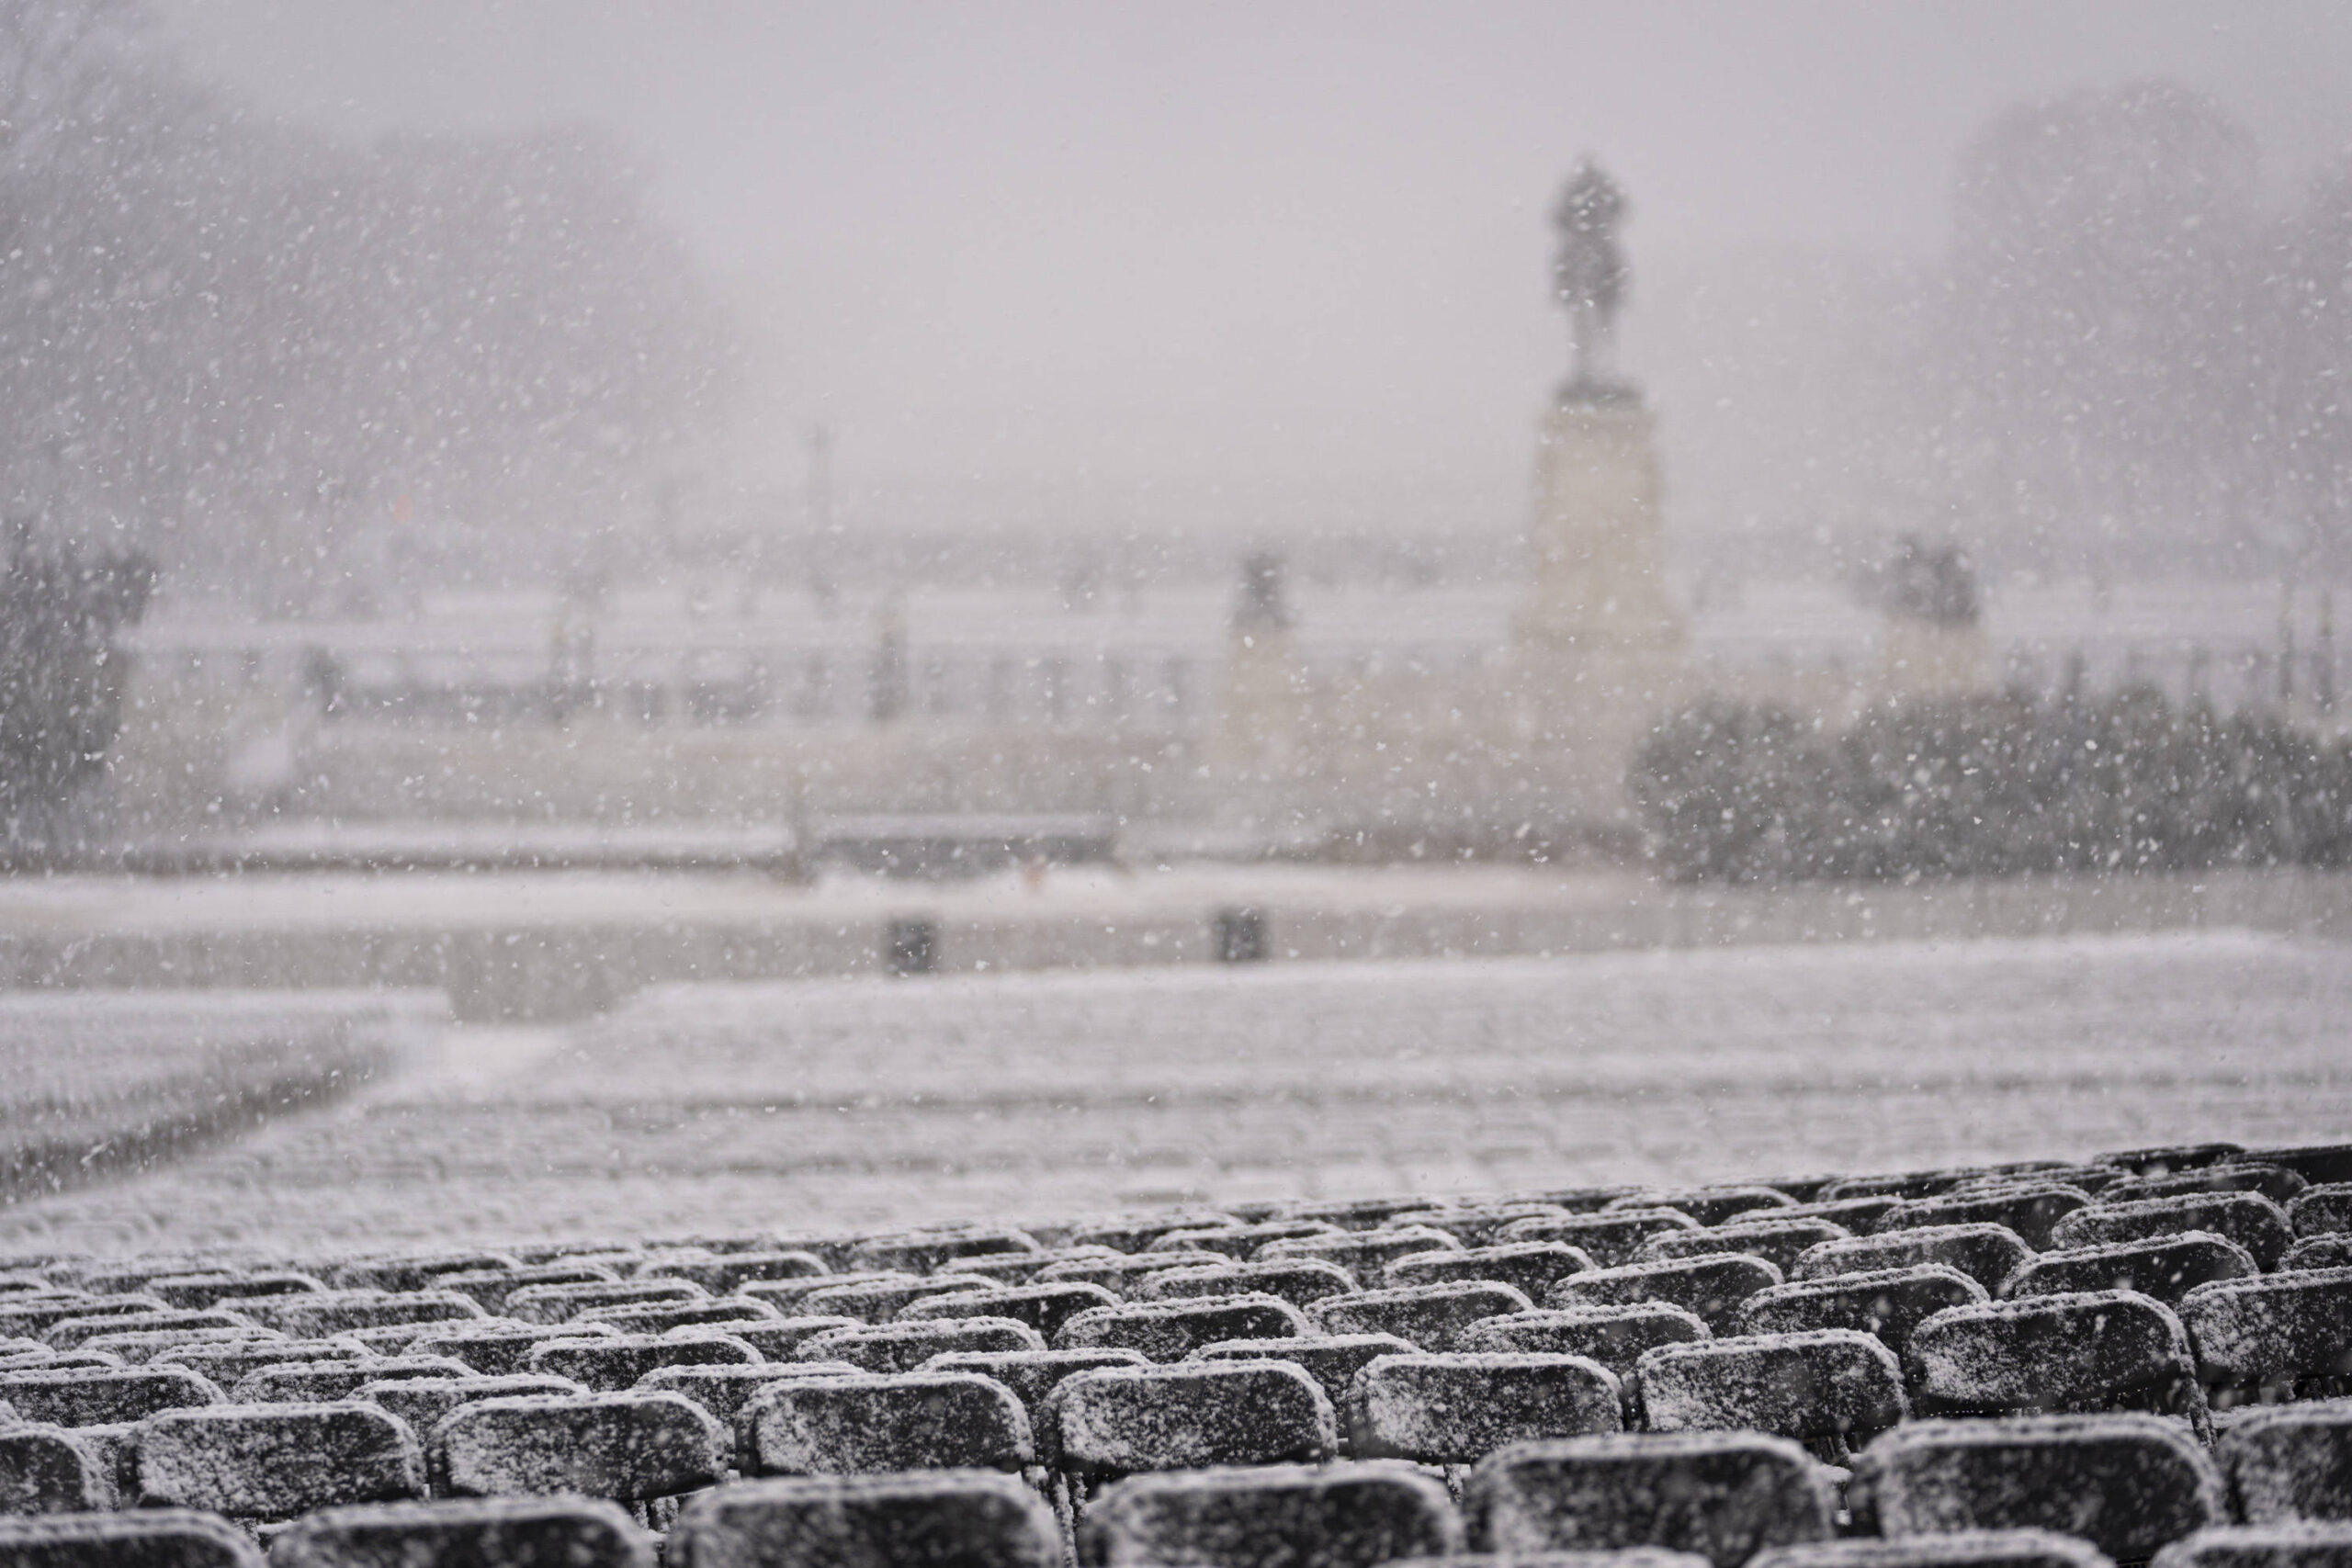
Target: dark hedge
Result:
[[1990, 786]]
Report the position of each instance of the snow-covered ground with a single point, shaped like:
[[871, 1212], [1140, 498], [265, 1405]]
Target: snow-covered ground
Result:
[[701, 1108], [95, 1081]]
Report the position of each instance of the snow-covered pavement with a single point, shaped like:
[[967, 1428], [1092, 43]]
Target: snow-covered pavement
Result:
[[834, 1103]]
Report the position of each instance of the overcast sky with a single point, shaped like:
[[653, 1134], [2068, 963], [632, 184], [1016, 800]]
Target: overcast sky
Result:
[[1242, 257]]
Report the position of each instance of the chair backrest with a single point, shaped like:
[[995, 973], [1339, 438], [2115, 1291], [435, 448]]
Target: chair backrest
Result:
[[1614, 1336], [1611, 1237], [2277, 1328], [970, 1518], [2081, 1351], [903, 1347], [1780, 1241], [1032, 1375], [725, 1390], [622, 1446], [2167, 1266], [1886, 1302], [867, 1423], [1988, 1254], [2289, 1462], [1331, 1359], [2127, 1483], [1709, 1205], [97, 1396], [2323, 1210], [53, 1470], [524, 1532], [1363, 1254], [1170, 1331], [315, 1315], [1432, 1317], [1532, 1267], [2249, 1219], [1723, 1496], [1714, 1287], [2300, 1545], [609, 1366], [501, 1347], [1190, 1417], [1457, 1409], [1355, 1515], [1823, 1382], [1302, 1282], [160, 1537], [422, 1401], [1961, 1548], [2028, 1208], [1044, 1308], [315, 1382], [273, 1461]]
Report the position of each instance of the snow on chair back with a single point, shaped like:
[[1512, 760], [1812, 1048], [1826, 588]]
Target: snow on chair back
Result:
[[52, 1469], [1340, 1515], [1032, 1375], [1830, 1385], [1331, 1359], [1433, 1317], [627, 1447], [2289, 1462], [1780, 1241], [2128, 1484], [100, 1396], [1963, 1549], [2166, 1268], [1988, 1254], [866, 1423], [1531, 1267], [1886, 1302], [1190, 1417], [2028, 1209], [2081, 1352], [1457, 1409], [1611, 1237], [2279, 1329], [611, 1365], [1044, 1308], [1169, 1331], [513, 1532], [904, 1346], [1713, 1287], [275, 1461], [2249, 1219], [2262, 1546], [950, 1520], [1723, 1495], [162, 1538], [1302, 1282]]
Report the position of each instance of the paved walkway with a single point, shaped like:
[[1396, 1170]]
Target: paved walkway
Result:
[[851, 1101]]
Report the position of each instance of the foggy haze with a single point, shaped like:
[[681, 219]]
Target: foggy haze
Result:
[[1268, 270]]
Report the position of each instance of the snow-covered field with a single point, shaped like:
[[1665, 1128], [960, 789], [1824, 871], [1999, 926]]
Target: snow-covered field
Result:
[[98, 1081], [716, 1107]]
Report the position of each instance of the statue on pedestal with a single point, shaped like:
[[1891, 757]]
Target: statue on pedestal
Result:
[[1598, 643], [1589, 277]]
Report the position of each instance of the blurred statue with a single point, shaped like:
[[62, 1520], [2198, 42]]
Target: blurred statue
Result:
[[1933, 642], [1261, 606], [1934, 583], [1589, 274]]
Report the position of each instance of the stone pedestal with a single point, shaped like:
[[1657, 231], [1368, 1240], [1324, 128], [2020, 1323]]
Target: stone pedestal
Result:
[[1598, 648], [1597, 559], [1259, 708]]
